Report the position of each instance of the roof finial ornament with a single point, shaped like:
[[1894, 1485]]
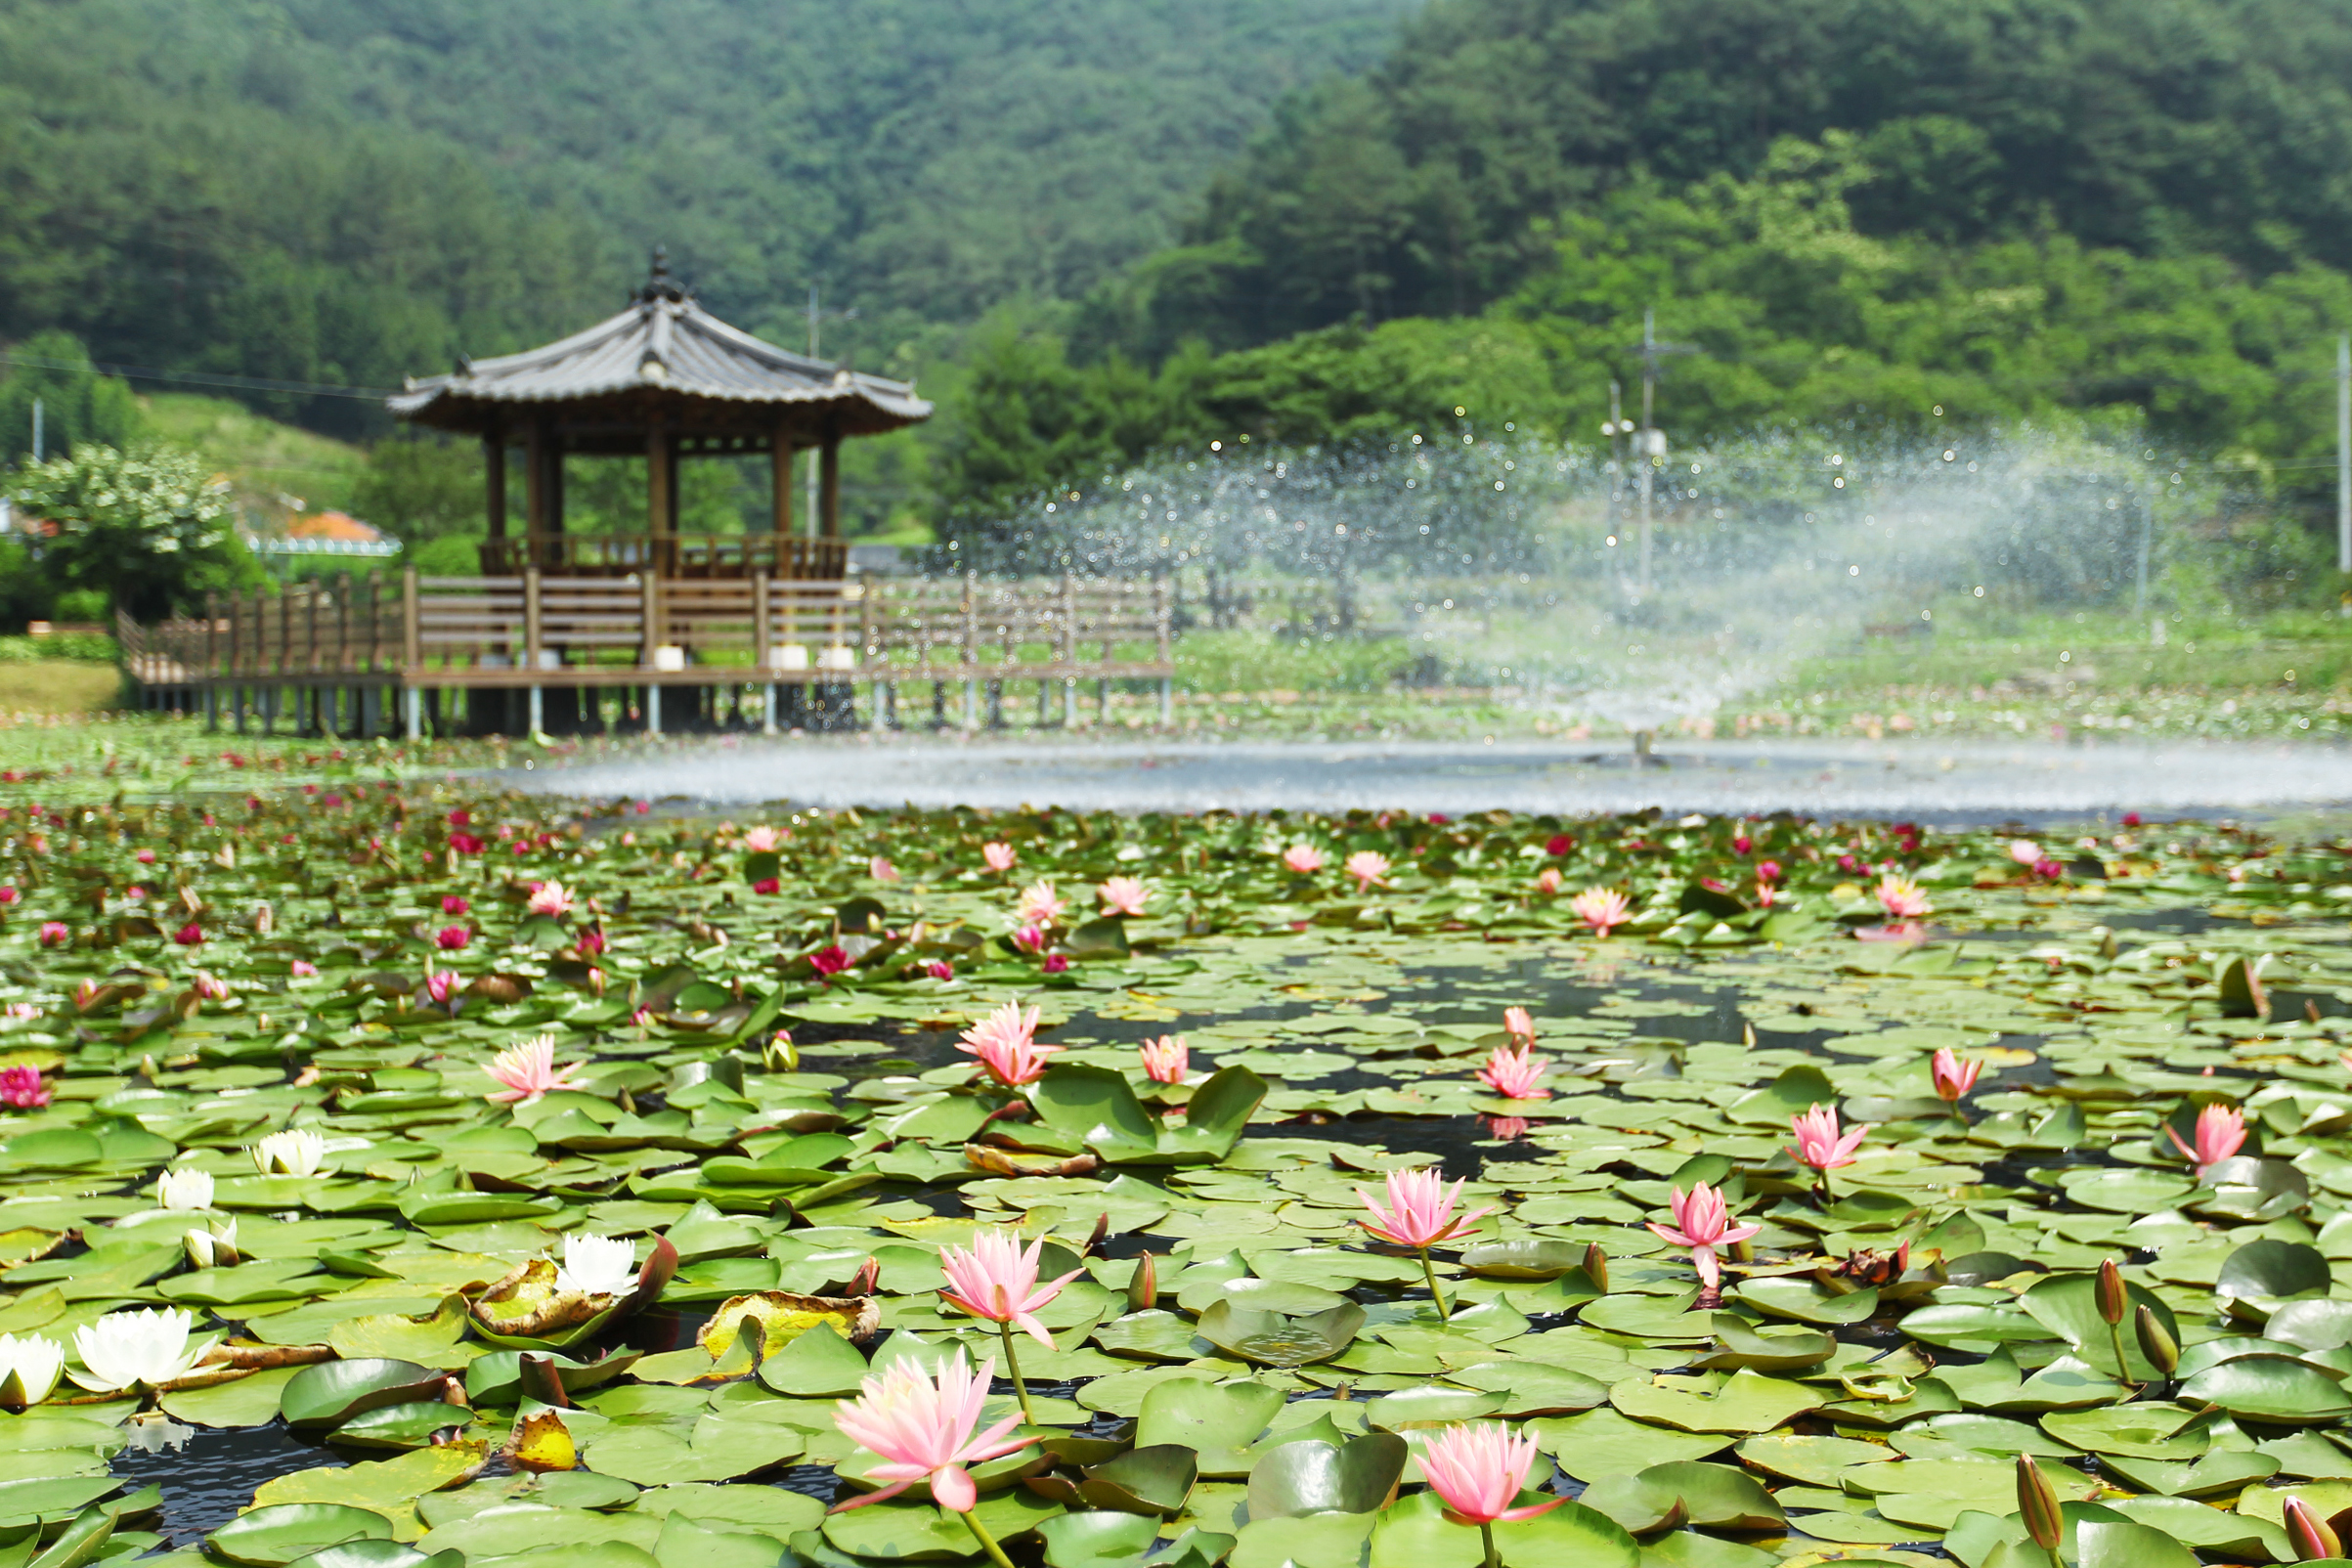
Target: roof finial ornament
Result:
[[659, 284]]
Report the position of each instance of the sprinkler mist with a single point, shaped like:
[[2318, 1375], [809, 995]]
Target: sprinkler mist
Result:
[[1513, 563]]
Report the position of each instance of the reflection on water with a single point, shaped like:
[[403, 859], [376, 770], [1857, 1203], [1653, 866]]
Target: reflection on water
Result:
[[212, 1476]]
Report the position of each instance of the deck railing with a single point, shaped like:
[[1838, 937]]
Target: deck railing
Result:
[[668, 555], [541, 629]]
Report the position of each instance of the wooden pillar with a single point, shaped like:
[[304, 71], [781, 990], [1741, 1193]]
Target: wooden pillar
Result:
[[828, 486], [661, 492], [779, 469], [494, 483], [535, 487]]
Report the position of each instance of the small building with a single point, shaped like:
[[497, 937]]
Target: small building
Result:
[[666, 381]]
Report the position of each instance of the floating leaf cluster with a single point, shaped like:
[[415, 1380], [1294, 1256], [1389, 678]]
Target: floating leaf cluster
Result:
[[539, 1182]]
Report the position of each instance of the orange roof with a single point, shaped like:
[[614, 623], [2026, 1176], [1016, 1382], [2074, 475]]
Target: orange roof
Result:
[[333, 525]]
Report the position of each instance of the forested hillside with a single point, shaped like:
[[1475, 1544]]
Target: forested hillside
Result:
[[343, 190], [1429, 185]]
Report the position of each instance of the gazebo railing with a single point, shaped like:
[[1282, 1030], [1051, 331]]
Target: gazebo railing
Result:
[[670, 555]]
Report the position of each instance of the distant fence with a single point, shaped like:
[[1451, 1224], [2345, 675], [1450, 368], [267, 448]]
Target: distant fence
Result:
[[535, 633]]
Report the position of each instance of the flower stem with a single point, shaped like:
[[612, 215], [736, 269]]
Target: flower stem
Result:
[[2115, 1336], [1012, 1371], [1429, 1273], [980, 1531], [1494, 1558]]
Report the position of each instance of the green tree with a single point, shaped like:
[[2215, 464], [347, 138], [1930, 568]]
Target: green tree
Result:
[[78, 404], [149, 528]]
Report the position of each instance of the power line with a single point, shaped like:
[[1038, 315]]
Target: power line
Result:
[[242, 383]]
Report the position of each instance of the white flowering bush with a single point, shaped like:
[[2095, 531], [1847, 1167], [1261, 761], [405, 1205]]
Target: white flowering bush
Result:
[[149, 526]]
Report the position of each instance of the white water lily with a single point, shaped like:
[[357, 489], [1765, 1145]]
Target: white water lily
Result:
[[184, 1189], [295, 1151], [597, 1265], [212, 1248], [126, 1348], [28, 1368]]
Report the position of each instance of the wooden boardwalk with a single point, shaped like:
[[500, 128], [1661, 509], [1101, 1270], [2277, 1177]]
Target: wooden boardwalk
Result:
[[532, 652]]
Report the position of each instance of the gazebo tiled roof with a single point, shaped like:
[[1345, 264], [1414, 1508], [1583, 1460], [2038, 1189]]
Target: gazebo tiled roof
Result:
[[663, 349]]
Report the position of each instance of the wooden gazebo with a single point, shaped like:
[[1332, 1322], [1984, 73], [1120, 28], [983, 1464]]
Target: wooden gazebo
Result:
[[667, 380]]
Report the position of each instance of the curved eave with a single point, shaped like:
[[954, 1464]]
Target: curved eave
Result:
[[864, 407]]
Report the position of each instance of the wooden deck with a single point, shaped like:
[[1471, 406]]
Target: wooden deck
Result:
[[377, 655]]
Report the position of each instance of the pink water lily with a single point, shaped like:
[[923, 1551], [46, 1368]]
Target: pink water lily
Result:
[[2220, 1134], [996, 1278], [1549, 882], [1480, 1470], [1901, 898], [528, 1071], [1953, 1076], [1123, 895], [441, 985], [1822, 1144], [22, 1088], [998, 857], [551, 898], [1515, 1074], [1303, 859], [882, 870], [1601, 908], [1519, 1023], [1703, 1223], [1005, 1042], [1165, 1059], [1368, 867], [923, 1430], [1420, 1215], [1040, 905], [763, 839]]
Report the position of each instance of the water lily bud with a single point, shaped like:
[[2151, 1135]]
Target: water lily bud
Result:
[[1094, 1241], [866, 1281], [1143, 1289], [2037, 1505], [2309, 1534], [2108, 1293], [778, 1052], [2163, 1352], [1597, 1267]]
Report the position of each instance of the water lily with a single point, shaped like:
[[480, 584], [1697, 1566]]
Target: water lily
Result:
[[1369, 868], [763, 839], [1123, 895], [452, 938], [829, 960], [1165, 1059], [1039, 905], [923, 1428], [1303, 859], [528, 1071], [882, 870], [1515, 1074], [551, 898], [1953, 1075], [1519, 1023], [1901, 898], [1005, 1042], [1547, 882], [295, 1151], [184, 1190], [998, 857], [1601, 908], [441, 986], [52, 933], [23, 1088], [126, 1349], [1479, 1471], [597, 1265], [1703, 1223], [2220, 1134], [940, 969], [1420, 1213], [30, 1369], [2024, 852], [996, 1280], [1820, 1143], [453, 905], [213, 1248]]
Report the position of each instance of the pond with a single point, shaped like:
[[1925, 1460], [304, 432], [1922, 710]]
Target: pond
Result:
[[538, 1178]]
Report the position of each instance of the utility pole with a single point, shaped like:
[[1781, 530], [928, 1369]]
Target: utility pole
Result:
[[816, 314], [1649, 442], [2344, 465]]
